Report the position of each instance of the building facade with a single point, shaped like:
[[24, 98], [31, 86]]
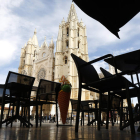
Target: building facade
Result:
[[71, 38], [41, 63]]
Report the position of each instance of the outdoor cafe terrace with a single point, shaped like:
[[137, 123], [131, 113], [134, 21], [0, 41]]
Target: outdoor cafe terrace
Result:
[[102, 118]]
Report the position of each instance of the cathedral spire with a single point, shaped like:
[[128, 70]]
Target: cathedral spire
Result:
[[63, 21], [45, 43], [35, 31], [45, 39], [51, 45], [72, 13], [59, 33], [29, 41], [52, 42], [24, 45], [81, 23], [34, 39]]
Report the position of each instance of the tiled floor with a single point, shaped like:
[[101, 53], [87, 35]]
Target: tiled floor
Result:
[[49, 131]]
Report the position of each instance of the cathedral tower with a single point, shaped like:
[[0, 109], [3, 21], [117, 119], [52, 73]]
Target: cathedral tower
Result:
[[71, 38], [28, 56]]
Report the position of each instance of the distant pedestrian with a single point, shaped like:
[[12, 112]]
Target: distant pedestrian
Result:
[[42, 119], [50, 117]]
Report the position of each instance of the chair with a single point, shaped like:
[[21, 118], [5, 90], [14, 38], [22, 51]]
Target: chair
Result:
[[47, 93], [114, 105], [85, 106], [122, 94], [74, 107], [19, 87], [89, 79], [7, 98]]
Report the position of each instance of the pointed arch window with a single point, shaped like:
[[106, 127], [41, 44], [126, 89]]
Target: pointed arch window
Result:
[[25, 53], [34, 52], [65, 59], [67, 31], [78, 44], [67, 44], [78, 32]]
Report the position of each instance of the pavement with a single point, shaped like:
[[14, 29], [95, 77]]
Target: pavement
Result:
[[49, 131]]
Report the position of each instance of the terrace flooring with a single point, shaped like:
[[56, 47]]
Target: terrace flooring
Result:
[[49, 131]]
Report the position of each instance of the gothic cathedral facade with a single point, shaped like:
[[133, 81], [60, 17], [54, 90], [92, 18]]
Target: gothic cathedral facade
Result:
[[41, 63]]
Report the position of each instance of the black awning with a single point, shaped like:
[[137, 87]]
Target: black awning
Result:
[[112, 14]]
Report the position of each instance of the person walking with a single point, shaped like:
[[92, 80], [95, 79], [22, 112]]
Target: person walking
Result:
[[50, 117]]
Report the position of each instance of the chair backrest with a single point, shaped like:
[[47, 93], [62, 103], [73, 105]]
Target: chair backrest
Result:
[[18, 85], [115, 101], [88, 73], [83, 107], [48, 90], [115, 104], [108, 74], [105, 73], [74, 104], [2, 89]]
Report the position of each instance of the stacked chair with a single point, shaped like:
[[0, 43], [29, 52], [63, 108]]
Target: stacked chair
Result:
[[17, 93], [84, 107], [122, 94], [17, 88], [89, 80], [47, 93]]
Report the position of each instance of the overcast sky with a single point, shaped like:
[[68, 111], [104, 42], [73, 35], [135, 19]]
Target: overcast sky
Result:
[[19, 18]]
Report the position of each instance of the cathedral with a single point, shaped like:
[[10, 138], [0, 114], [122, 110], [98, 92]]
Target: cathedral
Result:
[[42, 63]]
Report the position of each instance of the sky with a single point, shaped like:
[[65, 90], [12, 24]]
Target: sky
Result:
[[19, 18]]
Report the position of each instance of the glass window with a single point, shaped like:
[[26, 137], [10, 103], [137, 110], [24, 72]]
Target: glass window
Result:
[[66, 60], [67, 31], [78, 44], [67, 43]]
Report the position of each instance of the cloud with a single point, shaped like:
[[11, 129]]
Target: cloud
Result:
[[9, 37], [7, 52], [100, 64], [11, 3], [2, 78], [122, 51]]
